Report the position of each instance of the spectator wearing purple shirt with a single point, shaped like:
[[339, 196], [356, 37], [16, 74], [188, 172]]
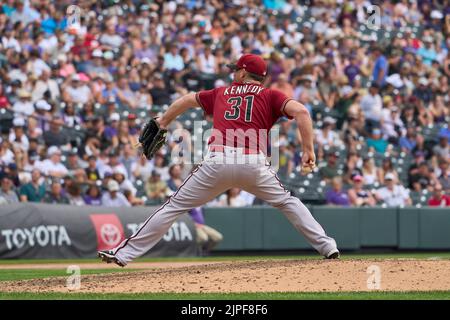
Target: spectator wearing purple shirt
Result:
[[207, 237], [336, 196], [93, 196]]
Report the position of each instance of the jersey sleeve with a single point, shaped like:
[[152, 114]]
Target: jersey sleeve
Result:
[[206, 100], [278, 102]]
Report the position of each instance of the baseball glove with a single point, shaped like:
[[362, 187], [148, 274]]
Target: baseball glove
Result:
[[152, 138]]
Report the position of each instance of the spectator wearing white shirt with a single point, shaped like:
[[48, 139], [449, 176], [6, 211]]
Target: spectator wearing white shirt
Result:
[[77, 91], [17, 135], [113, 198], [372, 106], [53, 166], [23, 106], [326, 136], [393, 194]]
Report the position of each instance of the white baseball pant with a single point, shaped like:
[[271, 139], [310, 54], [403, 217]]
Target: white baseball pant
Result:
[[219, 172]]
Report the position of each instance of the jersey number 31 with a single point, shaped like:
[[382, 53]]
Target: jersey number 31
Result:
[[236, 103]]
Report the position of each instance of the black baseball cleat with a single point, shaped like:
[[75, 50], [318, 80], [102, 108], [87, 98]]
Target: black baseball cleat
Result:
[[333, 255], [109, 257]]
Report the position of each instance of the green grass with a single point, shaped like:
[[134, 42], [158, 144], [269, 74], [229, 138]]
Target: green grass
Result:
[[431, 295], [25, 274]]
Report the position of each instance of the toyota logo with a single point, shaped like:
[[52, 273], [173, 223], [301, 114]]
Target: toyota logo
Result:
[[110, 234]]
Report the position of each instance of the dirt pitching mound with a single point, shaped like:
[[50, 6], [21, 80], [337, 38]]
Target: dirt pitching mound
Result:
[[260, 276]]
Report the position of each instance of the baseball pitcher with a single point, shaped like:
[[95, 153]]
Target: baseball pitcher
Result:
[[243, 114]]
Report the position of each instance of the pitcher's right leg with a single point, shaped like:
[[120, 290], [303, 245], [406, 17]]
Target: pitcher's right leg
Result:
[[267, 186], [204, 183]]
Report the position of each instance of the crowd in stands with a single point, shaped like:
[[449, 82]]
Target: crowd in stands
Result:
[[76, 86]]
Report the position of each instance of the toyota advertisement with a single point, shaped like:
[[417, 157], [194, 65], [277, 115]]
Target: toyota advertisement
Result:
[[60, 231]]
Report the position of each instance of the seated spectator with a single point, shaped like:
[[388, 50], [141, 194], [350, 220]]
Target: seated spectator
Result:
[[114, 198], [175, 180], [34, 191], [53, 166], [76, 91], [442, 149], [377, 142], [422, 146], [56, 194], [439, 198], [420, 177], [386, 167], [393, 194], [327, 136], [17, 136], [359, 197], [155, 188], [442, 173], [56, 135], [142, 169], [369, 171], [91, 170], [134, 201], [231, 198], [23, 106], [124, 183], [7, 194], [408, 142], [207, 237], [93, 196], [160, 167], [336, 195], [74, 195], [330, 171]]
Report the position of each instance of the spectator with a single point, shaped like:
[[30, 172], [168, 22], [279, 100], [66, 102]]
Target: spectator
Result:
[[93, 196], [377, 142], [386, 167], [442, 149], [34, 191], [420, 177], [17, 136], [56, 194], [114, 198], [74, 195], [408, 142], [156, 189], [439, 198], [91, 170], [381, 66], [372, 106], [175, 180], [56, 136], [336, 195], [232, 198], [369, 171], [442, 173], [24, 106], [330, 171], [207, 237], [393, 194], [53, 166], [7, 194], [358, 196]]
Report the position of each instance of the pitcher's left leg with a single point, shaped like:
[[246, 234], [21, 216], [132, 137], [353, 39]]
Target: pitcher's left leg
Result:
[[267, 187]]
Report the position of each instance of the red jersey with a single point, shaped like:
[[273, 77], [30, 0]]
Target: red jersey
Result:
[[243, 113], [443, 202]]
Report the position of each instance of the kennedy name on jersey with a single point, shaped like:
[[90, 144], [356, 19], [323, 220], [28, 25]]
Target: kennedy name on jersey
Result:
[[243, 89]]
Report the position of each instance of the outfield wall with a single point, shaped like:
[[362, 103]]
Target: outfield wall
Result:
[[62, 231], [265, 228]]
